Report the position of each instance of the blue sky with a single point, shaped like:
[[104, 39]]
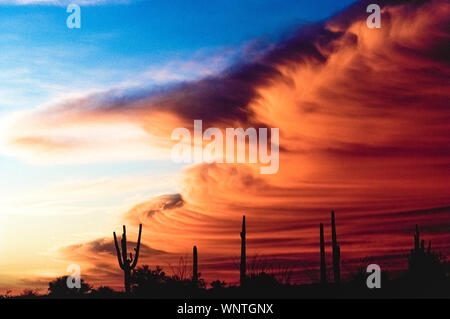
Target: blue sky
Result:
[[120, 39]]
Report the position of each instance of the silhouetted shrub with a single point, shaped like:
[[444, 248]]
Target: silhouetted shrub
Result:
[[217, 284], [58, 288], [146, 281], [29, 293], [104, 292]]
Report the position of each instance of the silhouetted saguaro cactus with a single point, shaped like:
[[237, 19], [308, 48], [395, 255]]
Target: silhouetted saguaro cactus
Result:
[[243, 266], [336, 251], [423, 262], [194, 265], [323, 267], [127, 264], [417, 238]]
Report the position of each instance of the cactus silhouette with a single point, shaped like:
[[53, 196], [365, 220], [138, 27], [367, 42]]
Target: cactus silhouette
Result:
[[425, 263], [243, 265], [323, 267], [195, 265], [416, 239], [336, 251], [125, 263]]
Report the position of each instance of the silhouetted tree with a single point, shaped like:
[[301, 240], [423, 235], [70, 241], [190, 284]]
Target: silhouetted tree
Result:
[[58, 288], [147, 281], [425, 265], [180, 271]]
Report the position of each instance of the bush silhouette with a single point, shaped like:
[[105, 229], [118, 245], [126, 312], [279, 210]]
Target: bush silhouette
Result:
[[58, 288], [28, 294], [145, 281], [104, 292], [427, 269], [217, 284]]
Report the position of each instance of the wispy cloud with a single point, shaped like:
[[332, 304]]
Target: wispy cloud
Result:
[[85, 196], [135, 141]]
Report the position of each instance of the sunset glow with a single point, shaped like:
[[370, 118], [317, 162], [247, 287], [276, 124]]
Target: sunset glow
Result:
[[363, 117]]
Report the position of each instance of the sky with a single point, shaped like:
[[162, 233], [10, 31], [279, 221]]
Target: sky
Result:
[[86, 116]]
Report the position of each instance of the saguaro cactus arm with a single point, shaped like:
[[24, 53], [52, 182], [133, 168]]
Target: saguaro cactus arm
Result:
[[119, 258], [138, 245], [124, 248]]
